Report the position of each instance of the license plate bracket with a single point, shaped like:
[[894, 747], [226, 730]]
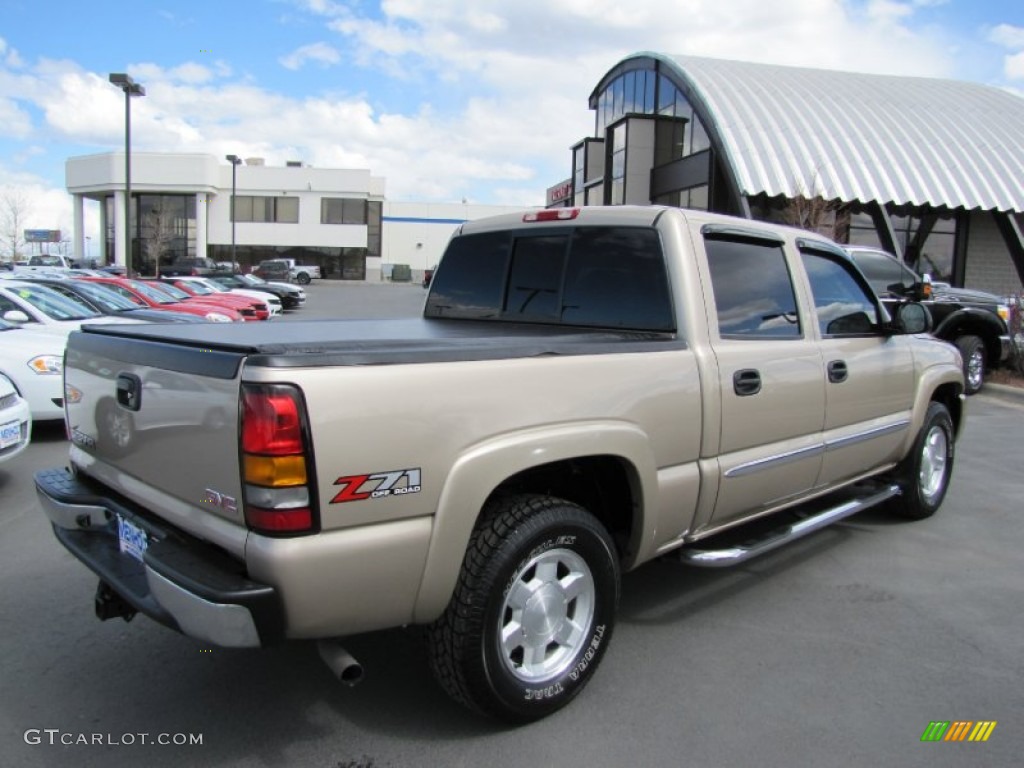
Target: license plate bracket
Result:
[[132, 540], [10, 434]]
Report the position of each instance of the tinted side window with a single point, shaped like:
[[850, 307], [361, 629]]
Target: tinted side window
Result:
[[884, 272], [842, 305], [753, 289], [470, 283]]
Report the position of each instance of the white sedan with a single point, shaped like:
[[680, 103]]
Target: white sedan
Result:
[[33, 360], [15, 421], [24, 302]]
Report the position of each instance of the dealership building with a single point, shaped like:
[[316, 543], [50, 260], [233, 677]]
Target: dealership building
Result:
[[181, 208], [930, 170]]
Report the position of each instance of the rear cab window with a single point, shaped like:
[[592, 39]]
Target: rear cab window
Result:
[[587, 276]]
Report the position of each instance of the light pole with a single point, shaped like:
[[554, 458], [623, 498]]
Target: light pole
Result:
[[130, 88], [88, 250], [235, 161]]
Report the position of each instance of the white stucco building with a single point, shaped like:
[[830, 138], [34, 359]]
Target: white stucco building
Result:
[[336, 218]]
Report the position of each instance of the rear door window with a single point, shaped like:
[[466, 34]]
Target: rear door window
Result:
[[753, 289]]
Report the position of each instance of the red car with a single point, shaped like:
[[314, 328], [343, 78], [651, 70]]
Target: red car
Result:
[[200, 291], [244, 308], [146, 294]]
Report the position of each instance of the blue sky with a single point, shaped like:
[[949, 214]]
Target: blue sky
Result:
[[446, 99]]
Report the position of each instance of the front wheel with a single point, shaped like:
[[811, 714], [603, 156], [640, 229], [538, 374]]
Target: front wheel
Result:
[[532, 613], [924, 475], [972, 350]]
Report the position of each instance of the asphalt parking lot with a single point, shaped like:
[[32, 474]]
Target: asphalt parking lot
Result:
[[835, 651]]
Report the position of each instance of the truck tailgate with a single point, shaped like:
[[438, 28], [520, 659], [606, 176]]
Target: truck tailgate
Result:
[[161, 419]]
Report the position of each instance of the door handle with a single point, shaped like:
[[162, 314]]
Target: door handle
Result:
[[837, 371], [746, 382]]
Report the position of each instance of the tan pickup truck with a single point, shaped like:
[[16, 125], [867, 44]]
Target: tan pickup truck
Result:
[[588, 389]]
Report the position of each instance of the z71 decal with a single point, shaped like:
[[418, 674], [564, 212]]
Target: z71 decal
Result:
[[377, 485]]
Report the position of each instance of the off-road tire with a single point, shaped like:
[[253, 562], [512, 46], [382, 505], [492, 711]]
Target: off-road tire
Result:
[[972, 349], [542, 573], [924, 474]]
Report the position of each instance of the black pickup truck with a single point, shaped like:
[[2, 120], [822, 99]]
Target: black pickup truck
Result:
[[974, 321]]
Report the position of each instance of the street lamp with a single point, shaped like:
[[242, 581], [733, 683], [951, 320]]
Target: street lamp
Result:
[[130, 88], [235, 161]]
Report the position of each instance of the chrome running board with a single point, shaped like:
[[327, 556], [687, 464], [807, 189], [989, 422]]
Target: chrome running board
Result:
[[734, 555]]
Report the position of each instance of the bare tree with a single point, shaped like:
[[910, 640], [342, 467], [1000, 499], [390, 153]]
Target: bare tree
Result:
[[161, 227], [15, 208], [816, 214]]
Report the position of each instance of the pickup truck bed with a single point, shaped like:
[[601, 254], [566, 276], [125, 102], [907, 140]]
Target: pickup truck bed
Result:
[[377, 342]]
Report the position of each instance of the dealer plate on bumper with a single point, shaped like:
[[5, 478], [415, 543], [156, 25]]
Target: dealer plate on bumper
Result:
[[132, 540], [10, 434]]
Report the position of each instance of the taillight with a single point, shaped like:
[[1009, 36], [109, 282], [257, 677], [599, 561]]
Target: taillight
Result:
[[275, 461]]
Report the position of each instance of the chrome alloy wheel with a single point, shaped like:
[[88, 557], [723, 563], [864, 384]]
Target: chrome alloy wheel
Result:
[[932, 478], [547, 615], [975, 369]]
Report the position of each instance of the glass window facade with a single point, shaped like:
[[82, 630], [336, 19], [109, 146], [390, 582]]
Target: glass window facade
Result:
[[343, 210], [678, 134], [277, 210], [163, 230], [645, 92], [927, 239]]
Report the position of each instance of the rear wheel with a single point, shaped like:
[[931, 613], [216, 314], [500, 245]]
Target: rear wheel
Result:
[[924, 475], [533, 610], [972, 349], [303, 278]]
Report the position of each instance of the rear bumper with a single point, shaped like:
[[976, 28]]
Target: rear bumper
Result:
[[181, 582]]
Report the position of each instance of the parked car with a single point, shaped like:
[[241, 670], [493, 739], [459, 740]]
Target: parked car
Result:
[[275, 269], [196, 266], [15, 420], [27, 302], [249, 308], [303, 274], [975, 321], [152, 296], [109, 302], [500, 518], [34, 361], [272, 301], [291, 296]]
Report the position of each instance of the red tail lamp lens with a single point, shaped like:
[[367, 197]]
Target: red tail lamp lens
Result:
[[271, 423]]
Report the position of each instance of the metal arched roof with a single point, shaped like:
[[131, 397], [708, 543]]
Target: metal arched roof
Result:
[[856, 137]]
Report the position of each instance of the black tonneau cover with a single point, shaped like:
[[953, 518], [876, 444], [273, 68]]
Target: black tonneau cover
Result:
[[384, 342]]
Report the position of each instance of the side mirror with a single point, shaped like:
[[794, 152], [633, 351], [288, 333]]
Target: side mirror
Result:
[[16, 316], [912, 318]]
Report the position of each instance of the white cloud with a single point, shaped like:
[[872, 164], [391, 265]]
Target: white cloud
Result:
[[1007, 36], [319, 52], [1014, 66], [492, 94]]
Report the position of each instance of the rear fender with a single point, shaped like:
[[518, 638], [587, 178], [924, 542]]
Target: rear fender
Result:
[[484, 467]]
